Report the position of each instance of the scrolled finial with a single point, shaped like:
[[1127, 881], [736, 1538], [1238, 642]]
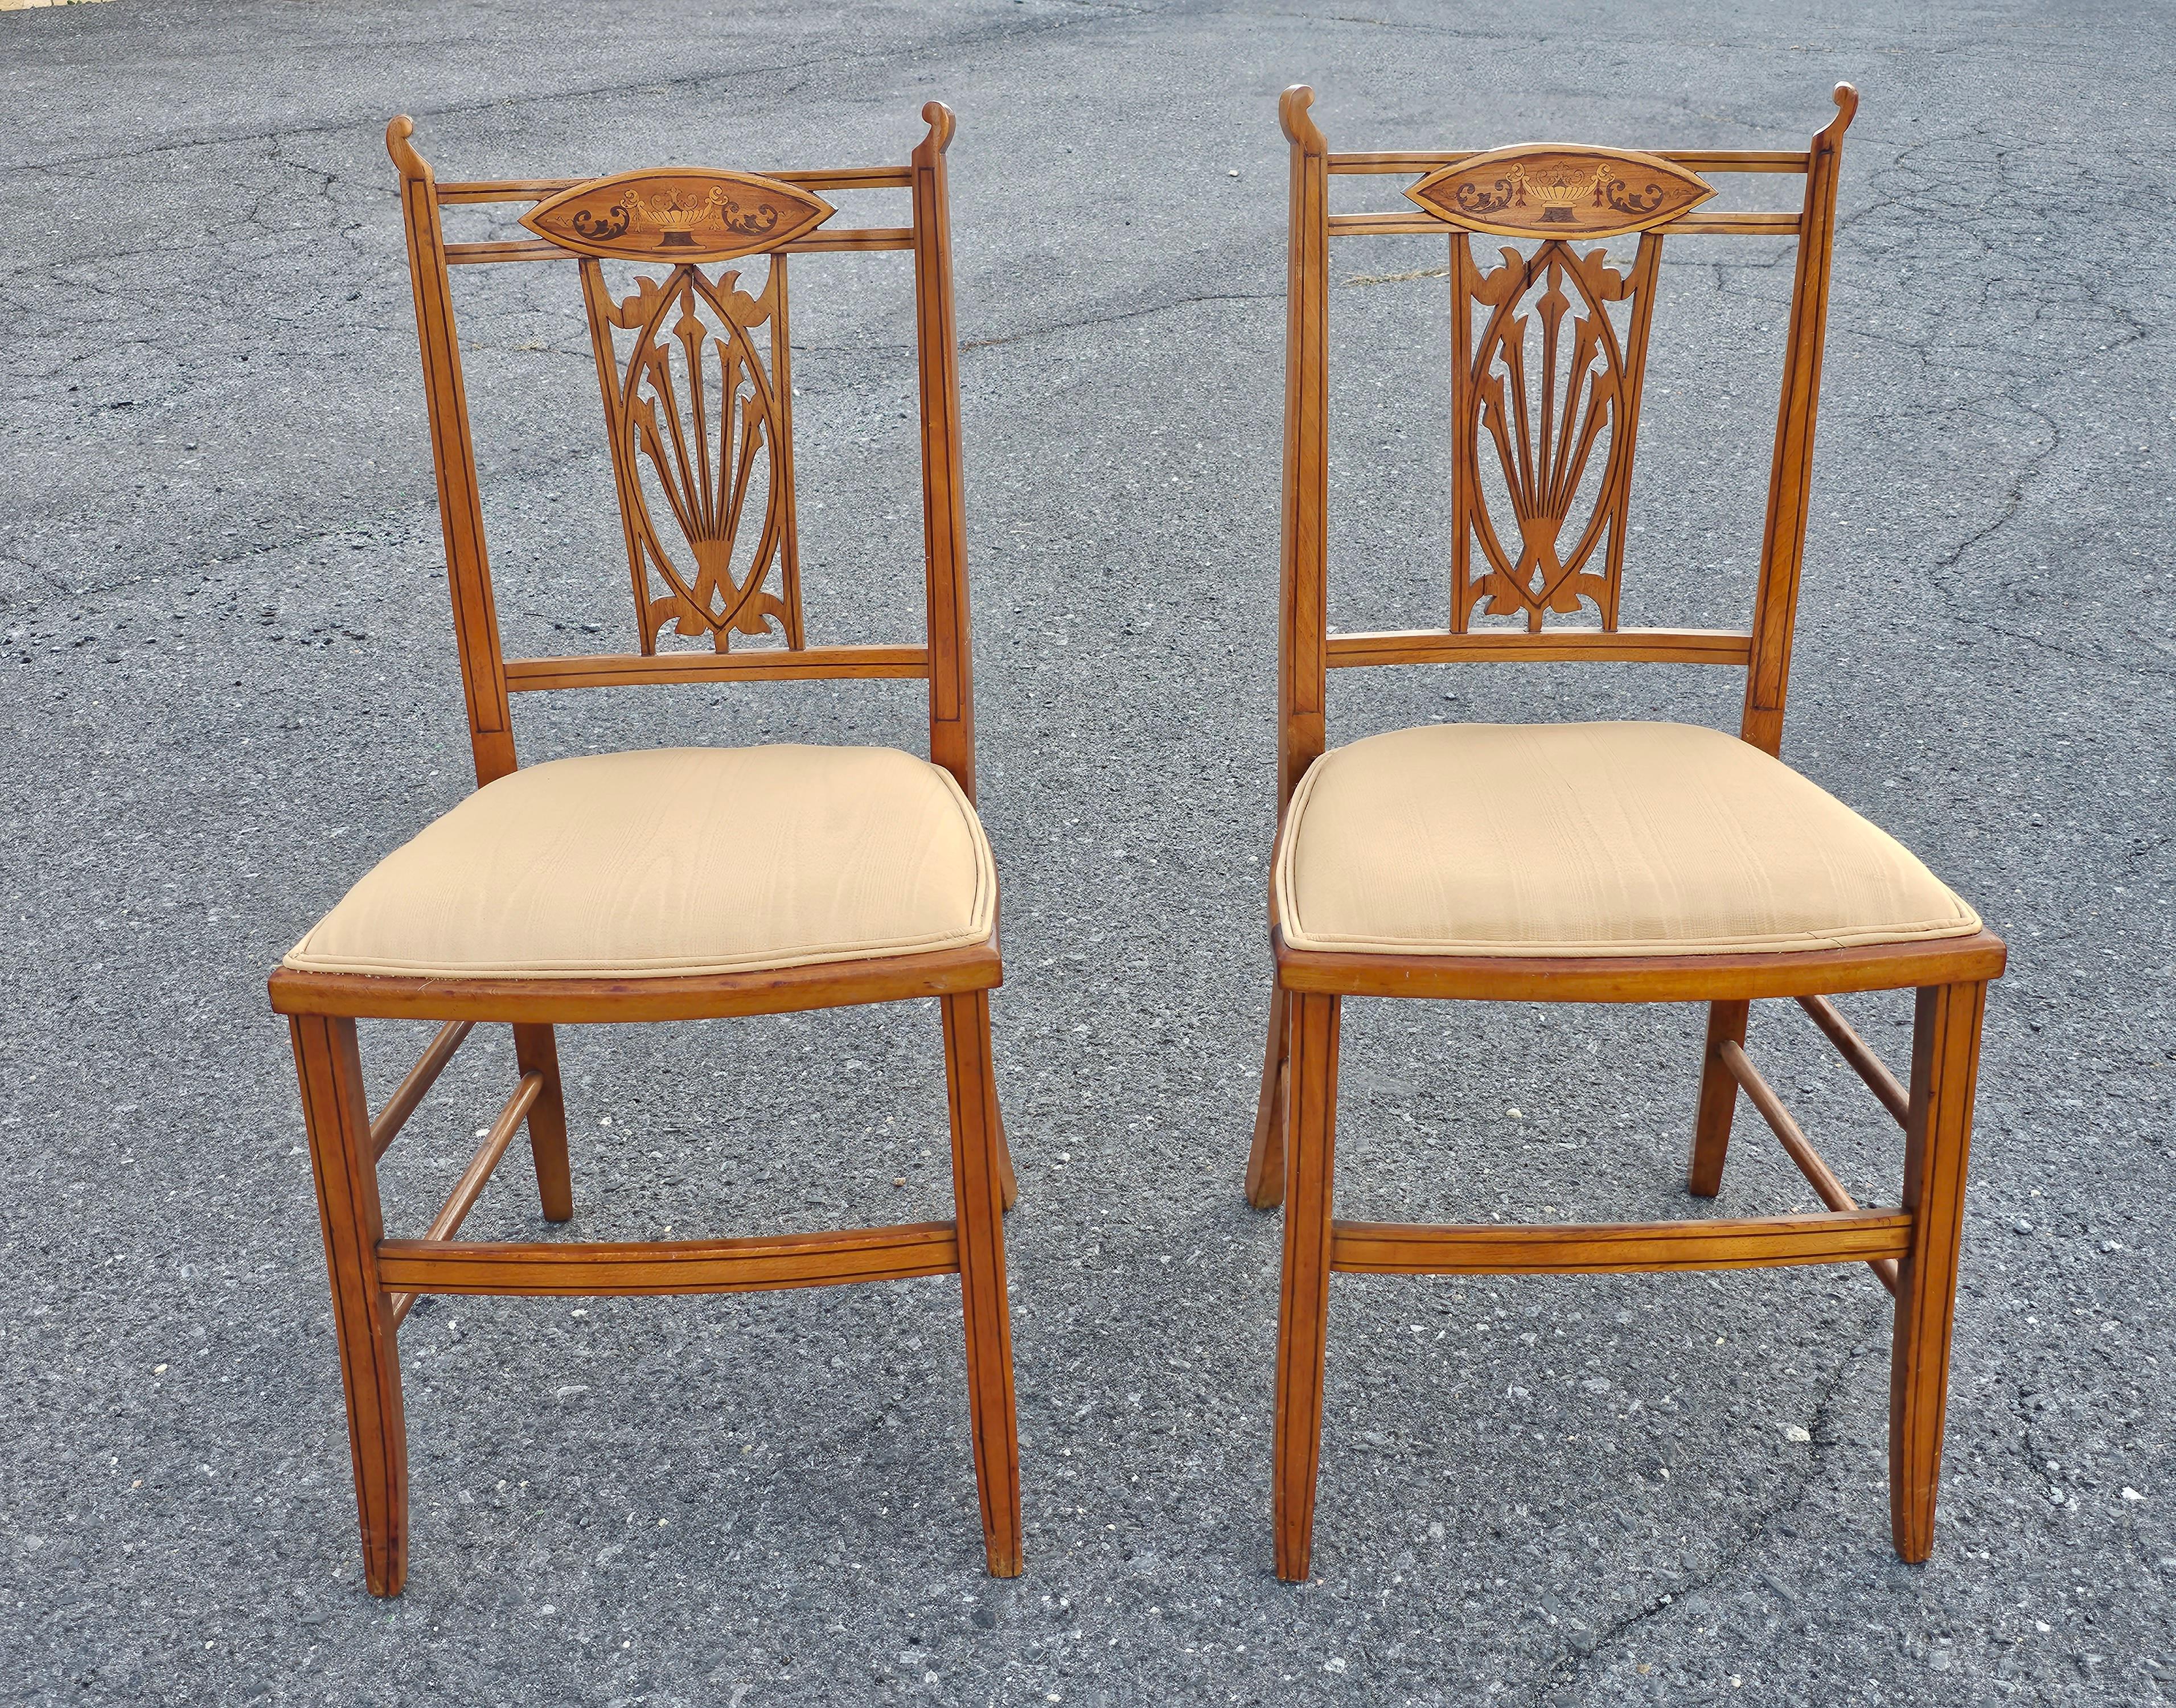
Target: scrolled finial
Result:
[[1846, 101], [412, 165], [1299, 129], [942, 124]]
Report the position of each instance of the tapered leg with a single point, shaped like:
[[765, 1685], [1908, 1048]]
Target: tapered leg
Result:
[[339, 1123], [1007, 1181], [1303, 1313], [1937, 1143], [1266, 1166], [536, 1053], [1718, 1099], [978, 1195]]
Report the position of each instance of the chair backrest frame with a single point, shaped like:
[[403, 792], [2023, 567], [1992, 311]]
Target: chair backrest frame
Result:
[[1675, 189], [488, 678]]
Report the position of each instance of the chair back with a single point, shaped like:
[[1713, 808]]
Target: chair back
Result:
[[1548, 348], [693, 365]]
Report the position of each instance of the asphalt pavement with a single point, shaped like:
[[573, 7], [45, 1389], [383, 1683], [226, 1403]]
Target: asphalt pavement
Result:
[[232, 686]]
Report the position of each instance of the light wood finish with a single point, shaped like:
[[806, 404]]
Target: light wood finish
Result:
[[867, 239], [677, 215], [1557, 550], [536, 1051], [584, 1001], [1304, 1304], [943, 489], [714, 556], [1266, 1162], [1718, 1098], [698, 424], [630, 669], [475, 1177], [1543, 456], [1684, 226], [489, 1154], [1765, 1242], [979, 1170], [1791, 472], [662, 1266], [1630, 978], [1418, 163], [504, 250], [538, 189], [330, 1067], [460, 500], [743, 598], [1554, 190], [1797, 1146], [385, 1126], [1860, 1055], [1736, 225], [1945, 1037], [1548, 647]]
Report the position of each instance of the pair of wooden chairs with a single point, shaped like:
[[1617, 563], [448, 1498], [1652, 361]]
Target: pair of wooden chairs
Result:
[[1598, 862]]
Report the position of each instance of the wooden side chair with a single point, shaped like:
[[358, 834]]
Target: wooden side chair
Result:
[[684, 883], [1586, 862]]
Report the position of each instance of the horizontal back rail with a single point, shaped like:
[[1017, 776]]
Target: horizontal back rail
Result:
[[1417, 162], [1697, 224], [867, 239], [1550, 645], [537, 190], [808, 663]]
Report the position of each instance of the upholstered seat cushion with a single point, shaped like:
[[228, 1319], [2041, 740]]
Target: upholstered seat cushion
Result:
[[1598, 839], [675, 860]]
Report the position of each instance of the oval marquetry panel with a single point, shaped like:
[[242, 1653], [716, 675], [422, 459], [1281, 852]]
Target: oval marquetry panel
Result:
[[1560, 190], [677, 214]]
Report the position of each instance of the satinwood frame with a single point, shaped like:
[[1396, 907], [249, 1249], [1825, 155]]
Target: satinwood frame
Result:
[[1912, 1248], [376, 1281]]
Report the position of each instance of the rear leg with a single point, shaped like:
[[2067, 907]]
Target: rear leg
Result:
[[1266, 1166], [1718, 1099], [536, 1053]]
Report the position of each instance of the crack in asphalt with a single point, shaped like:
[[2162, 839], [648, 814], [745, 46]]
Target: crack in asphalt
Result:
[[1562, 1670], [1113, 319]]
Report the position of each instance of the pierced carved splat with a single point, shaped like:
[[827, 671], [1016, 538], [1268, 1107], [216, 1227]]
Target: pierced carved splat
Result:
[[1545, 410], [701, 429], [1560, 190]]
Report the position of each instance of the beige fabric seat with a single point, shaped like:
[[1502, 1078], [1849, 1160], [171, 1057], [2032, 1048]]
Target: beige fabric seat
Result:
[[675, 860], [1600, 839]]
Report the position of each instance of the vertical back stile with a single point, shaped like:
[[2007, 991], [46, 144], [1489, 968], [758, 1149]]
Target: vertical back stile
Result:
[[944, 501], [1303, 602], [1790, 481], [453, 453]]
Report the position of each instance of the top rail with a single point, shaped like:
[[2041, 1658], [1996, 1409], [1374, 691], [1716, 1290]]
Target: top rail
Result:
[[1694, 224], [1695, 159], [536, 189]]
